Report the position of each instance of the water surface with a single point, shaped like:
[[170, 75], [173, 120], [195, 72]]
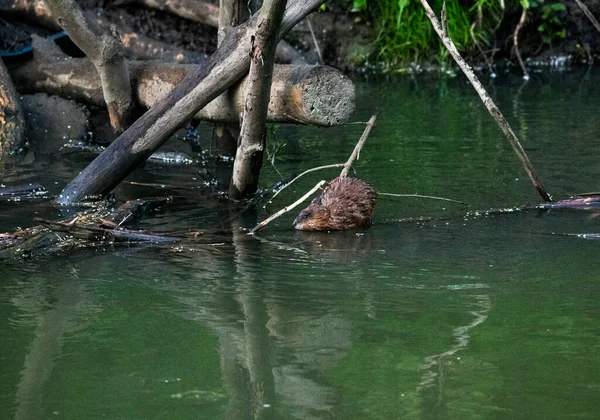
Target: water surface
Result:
[[457, 318]]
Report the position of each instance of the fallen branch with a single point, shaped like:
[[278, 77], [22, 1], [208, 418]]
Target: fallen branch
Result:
[[489, 103], [300, 94], [105, 235], [361, 142], [286, 209]]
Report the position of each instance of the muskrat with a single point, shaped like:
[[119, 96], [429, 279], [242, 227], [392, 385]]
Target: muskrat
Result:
[[346, 203]]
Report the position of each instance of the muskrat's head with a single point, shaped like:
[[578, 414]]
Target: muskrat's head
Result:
[[315, 217]]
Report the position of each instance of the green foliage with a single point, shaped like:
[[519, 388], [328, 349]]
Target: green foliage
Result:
[[405, 34], [551, 27]]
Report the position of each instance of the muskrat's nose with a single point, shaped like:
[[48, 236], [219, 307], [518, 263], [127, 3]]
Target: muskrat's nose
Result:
[[302, 217]]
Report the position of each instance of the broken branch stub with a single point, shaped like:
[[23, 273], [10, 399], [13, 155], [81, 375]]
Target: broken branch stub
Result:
[[148, 133], [105, 50]]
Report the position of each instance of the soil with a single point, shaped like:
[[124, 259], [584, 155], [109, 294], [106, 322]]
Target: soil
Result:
[[346, 40]]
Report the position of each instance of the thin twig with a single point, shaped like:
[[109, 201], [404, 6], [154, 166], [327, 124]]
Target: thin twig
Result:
[[359, 146], [489, 104], [589, 14], [423, 196], [286, 209], [516, 43], [312, 32], [318, 168], [485, 57]]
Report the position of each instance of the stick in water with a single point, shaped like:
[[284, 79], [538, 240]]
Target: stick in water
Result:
[[285, 209], [359, 146], [318, 168], [488, 102]]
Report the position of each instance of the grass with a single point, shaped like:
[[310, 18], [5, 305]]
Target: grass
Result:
[[405, 34]]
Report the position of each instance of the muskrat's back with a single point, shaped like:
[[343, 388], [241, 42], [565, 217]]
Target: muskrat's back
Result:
[[346, 203]]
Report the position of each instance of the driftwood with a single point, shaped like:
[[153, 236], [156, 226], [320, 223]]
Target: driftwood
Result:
[[225, 67], [249, 154], [106, 234], [105, 50], [95, 227], [12, 120], [316, 95]]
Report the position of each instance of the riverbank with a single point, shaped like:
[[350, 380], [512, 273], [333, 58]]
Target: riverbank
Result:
[[358, 36]]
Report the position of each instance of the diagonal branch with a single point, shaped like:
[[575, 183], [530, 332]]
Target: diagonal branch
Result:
[[488, 102]]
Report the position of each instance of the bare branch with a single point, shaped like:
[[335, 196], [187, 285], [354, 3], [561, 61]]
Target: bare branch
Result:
[[359, 146], [516, 43], [489, 103], [318, 168], [286, 208], [589, 14]]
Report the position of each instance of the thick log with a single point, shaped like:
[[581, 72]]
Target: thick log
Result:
[[12, 121], [249, 155], [316, 95], [105, 50]]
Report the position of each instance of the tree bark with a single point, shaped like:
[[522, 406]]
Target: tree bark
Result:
[[225, 136], [249, 154], [12, 121], [139, 141], [105, 50]]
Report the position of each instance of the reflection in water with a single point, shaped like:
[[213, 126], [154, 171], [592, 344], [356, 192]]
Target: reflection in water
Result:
[[434, 364], [349, 325], [63, 300]]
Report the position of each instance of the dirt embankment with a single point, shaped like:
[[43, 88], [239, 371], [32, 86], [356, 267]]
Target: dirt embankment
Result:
[[345, 40]]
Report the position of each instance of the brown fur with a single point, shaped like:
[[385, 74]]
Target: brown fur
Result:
[[346, 203]]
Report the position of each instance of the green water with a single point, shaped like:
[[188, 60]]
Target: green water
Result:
[[458, 318]]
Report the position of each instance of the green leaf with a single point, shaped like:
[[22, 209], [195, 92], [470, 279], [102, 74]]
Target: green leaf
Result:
[[559, 7], [401, 5], [357, 5]]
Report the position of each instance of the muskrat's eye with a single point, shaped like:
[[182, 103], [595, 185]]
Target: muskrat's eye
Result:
[[304, 215]]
